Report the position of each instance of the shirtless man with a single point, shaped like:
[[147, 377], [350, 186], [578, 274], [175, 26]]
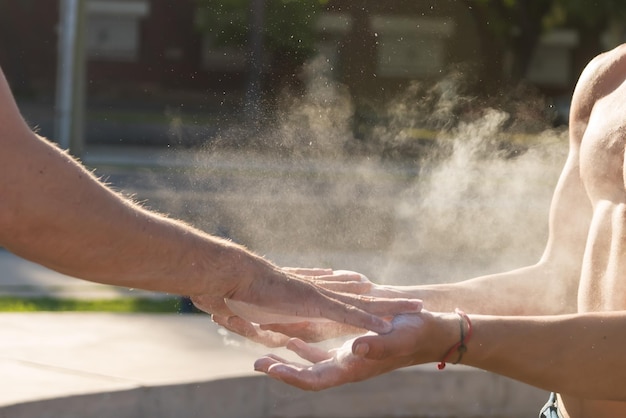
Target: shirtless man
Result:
[[56, 213], [566, 330]]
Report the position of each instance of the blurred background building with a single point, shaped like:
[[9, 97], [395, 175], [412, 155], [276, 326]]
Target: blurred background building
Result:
[[200, 53]]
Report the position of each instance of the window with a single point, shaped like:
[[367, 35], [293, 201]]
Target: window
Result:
[[113, 28], [411, 47], [551, 63]]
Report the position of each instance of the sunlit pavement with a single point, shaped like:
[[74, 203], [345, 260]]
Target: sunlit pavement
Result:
[[161, 366]]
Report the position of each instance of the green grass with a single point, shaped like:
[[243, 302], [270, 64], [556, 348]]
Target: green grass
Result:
[[47, 304]]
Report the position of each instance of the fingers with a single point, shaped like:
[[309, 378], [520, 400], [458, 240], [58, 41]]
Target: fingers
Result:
[[309, 271], [403, 341], [306, 331], [290, 373], [251, 331], [266, 362], [296, 374], [347, 286], [211, 305], [370, 347], [343, 276], [347, 274], [378, 305], [235, 324], [327, 274], [293, 329], [355, 287], [365, 312], [294, 299], [308, 352], [313, 331]]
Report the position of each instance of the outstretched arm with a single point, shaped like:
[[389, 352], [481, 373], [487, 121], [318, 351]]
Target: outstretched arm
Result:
[[56, 213], [548, 352]]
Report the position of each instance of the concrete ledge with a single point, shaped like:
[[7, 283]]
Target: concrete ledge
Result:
[[414, 393], [163, 366]]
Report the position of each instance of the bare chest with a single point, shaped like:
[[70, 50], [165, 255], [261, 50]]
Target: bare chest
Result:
[[603, 174], [602, 151], [603, 285]]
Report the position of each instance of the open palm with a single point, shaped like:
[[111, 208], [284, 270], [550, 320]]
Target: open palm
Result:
[[341, 365]]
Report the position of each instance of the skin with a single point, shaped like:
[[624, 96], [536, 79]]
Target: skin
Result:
[[56, 213], [278, 334], [564, 330]]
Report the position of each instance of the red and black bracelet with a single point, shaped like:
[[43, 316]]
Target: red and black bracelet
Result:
[[460, 347]]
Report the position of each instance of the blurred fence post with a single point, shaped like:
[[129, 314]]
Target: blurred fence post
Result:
[[70, 93]]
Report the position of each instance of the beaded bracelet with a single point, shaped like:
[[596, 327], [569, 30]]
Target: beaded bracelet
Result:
[[459, 347]]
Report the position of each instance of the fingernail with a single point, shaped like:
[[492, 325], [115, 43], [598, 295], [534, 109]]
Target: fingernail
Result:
[[361, 349]]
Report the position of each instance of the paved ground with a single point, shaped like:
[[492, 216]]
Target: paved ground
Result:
[[161, 366]]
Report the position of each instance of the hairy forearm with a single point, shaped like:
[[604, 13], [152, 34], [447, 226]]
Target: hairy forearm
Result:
[[61, 216]]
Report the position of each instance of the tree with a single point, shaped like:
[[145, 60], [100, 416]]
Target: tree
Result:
[[288, 33], [509, 27], [515, 27], [600, 24]]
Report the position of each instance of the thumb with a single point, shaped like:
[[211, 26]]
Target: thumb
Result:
[[371, 347]]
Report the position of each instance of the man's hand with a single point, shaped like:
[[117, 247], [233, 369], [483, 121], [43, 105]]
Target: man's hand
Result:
[[284, 296], [343, 281], [278, 334]]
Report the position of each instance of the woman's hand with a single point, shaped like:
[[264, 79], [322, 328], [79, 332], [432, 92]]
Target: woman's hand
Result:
[[415, 339]]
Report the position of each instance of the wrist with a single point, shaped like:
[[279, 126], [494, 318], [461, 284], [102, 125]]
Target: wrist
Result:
[[228, 267], [441, 331], [454, 354]]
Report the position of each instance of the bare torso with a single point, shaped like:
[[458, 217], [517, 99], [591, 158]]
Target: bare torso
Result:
[[603, 280]]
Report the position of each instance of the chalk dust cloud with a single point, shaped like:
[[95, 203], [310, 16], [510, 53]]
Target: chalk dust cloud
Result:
[[441, 188]]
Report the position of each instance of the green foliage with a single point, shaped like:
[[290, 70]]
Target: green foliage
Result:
[[552, 13], [288, 24], [589, 13], [47, 304], [505, 18], [515, 27], [227, 21]]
